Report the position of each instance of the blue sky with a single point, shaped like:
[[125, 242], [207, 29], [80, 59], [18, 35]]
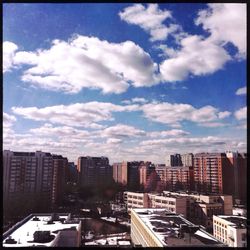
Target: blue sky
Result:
[[128, 81]]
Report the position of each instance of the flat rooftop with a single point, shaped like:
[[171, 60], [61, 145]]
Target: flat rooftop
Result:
[[23, 231], [235, 221], [174, 230]]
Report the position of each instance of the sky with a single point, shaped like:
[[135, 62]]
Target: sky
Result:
[[126, 81]]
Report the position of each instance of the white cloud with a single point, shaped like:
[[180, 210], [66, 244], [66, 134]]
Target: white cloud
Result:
[[224, 114], [241, 91], [122, 131], [173, 114], [197, 56], [9, 49], [113, 141], [226, 22], [77, 115], [195, 141], [48, 130], [241, 114], [168, 133], [213, 124], [150, 19], [139, 99], [135, 100], [82, 63], [8, 120]]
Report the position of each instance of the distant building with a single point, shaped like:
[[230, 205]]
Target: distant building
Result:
[[72, 172], [223, 173], [187, 160], [127, 173], [160, 228], [176, 178], [32, 177], [148, 177], [44, 230], [60, 165], [117, 172], [173, 160], [235, 176], [232, 230], [94, 171]]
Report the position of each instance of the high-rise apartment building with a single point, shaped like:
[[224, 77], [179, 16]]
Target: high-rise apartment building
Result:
[[60, 166], [208, 172], [173, 160], [94, 171], [117, 172], [223, 173], [235, 175], [187, 160], [72, 173], [29, 176], [148, 177], [175, 178], [127, 173]]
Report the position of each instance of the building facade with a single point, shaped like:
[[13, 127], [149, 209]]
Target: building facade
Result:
[[222, 173], [60, 167], [187, 160], [231, 230], [175, 178], [235, 176], [173, 160], [31, 177], [93, 171], [175, 204]]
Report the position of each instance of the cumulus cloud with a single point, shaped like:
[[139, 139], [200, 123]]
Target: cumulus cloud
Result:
[[173, 114], [8, 120], [82, 62], [60, 131], [195, 141], [197, 56], [241, 91], [122, 131], [213, 124], [9, 49], [113, 141], [168, 133], [241, 114], [150, 19], [135, 100], [77, 115], [226, 22]]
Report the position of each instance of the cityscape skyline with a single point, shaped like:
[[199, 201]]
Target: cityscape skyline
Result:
[[125, 81]]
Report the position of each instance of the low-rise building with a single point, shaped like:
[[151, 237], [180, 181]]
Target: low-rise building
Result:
[[202, 207], [231, 230], [172, 203], [44, 230], [136, 200], [160, 228]]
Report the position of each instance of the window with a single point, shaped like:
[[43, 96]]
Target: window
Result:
[[243, 237]]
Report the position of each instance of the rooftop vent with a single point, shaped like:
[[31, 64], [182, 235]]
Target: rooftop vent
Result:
[[42, 236], [10, 241]]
